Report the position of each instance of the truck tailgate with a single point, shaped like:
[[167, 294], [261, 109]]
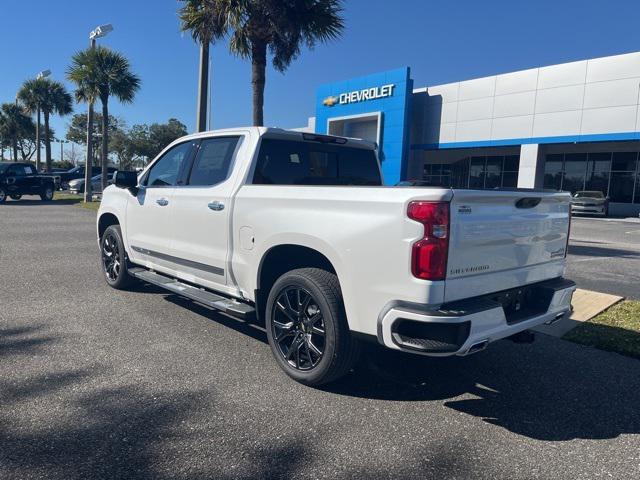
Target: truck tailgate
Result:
[[504, 239]]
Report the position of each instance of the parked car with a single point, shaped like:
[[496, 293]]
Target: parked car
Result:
[[78, 172], [590, 202], [298, 230], [77, 185], [18, 179]]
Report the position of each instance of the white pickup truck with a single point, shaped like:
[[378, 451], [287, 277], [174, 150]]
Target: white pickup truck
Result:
[[298, 231]]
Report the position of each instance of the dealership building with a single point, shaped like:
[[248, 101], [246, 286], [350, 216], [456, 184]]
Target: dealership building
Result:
[[573, 126]]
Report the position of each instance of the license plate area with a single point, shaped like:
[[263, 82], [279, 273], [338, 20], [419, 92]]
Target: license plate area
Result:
[[522, 303]]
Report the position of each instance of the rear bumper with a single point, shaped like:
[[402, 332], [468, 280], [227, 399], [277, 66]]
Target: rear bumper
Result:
[[467, 326]]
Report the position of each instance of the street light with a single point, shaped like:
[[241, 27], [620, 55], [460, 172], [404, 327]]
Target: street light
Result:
[[96, 33], [101, 31], [42, 74]]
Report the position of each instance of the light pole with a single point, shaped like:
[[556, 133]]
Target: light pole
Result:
[[42, 74], [99, 32], [62, 142]]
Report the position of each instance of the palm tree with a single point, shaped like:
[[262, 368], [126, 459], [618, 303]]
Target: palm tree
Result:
[[281, 27], [101, 73], [14, 124], [207, 22], [50, 97]]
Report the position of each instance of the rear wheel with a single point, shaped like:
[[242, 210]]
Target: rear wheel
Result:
[[3, 195], [16, 197], [307, 327], [114, 259], [47, 194]]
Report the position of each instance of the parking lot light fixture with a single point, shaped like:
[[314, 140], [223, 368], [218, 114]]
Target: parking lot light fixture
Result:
[[100, 31]]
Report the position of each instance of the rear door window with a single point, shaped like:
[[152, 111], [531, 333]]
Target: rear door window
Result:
[[291, 162]]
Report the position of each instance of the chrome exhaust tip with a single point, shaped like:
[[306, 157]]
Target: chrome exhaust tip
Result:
[[557, 318], [477, 347]]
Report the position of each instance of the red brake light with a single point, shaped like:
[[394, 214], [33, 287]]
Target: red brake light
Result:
[[429, 255]]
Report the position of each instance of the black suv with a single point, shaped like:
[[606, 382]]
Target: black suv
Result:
[[17, 179]]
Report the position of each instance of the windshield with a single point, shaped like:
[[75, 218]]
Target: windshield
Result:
[[589, 194]]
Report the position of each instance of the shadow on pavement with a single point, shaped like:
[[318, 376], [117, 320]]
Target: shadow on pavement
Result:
[[17, 203], [590, 251], [551, 390], [249, 329], [11, 342]]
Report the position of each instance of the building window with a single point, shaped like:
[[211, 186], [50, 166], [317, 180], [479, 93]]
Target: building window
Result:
[[484, 172], [616, 174]]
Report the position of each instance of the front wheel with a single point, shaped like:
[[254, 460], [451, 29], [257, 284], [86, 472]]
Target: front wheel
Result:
[[3, 195], [114, 259], [307, 327], [47, 194]]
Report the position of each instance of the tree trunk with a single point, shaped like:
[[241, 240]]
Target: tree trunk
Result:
[[47, 141], [203, 88], [258, 67], [14, 144], [104, 151]]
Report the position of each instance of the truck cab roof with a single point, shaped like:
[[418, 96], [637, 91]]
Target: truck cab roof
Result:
[[274, 132]]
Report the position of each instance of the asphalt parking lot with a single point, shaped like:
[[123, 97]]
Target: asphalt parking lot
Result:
[[96, 383], [604, 255]]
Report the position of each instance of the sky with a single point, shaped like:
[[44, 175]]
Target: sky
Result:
[[441, 41]]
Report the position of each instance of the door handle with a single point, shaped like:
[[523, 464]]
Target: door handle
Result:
[[163, 202], [216, 206]]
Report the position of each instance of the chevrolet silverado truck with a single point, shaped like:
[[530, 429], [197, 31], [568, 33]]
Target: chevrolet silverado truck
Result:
[[297, 231], [18, 179]]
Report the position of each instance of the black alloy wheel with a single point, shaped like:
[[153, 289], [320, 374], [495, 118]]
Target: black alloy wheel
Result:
[[114, 260], [298, 328], [307, 327], [111, 258]]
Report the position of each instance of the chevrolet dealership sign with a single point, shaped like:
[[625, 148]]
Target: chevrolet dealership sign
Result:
[[356, 96]]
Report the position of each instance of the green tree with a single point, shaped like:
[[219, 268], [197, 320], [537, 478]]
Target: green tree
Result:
[[77, 131], [15, 124], [100, 73], [162, 134], [52, 98], [259, 27]]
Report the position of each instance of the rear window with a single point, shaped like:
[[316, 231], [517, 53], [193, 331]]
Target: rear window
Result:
[[290, 162]]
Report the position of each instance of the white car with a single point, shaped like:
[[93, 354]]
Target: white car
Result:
[[298, 230]]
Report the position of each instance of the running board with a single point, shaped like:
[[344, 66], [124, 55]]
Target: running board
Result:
[[224, 304]]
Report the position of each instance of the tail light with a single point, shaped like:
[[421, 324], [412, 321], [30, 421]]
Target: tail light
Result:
[[429, 255]]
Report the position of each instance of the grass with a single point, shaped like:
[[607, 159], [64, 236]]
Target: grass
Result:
[[617, 329], [70, 198]]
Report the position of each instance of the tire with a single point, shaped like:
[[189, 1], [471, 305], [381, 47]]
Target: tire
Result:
[[15, 197], [295, 338], [47, 193], [3, 195], [113, 259]]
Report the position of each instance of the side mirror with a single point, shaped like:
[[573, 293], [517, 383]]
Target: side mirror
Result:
[[126, 179]]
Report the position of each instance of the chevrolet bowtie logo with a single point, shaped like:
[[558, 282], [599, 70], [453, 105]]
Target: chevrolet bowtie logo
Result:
[[330, 101]]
